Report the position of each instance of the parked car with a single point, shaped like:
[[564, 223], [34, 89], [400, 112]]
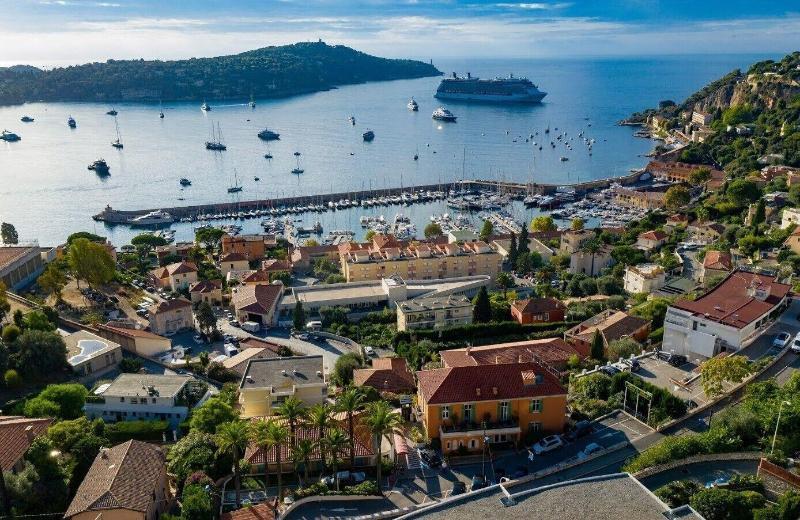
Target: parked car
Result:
[[234, 323], [633, 364], [781, 339], [590, 449], [581, 429], [609, 370], [345, 478], [369, 351], [675, 360], [459, 488], [796, 344], [478, 482], [250, 326], [549, 443], [430, 458]]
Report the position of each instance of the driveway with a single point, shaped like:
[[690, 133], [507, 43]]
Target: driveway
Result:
[[702, 472]]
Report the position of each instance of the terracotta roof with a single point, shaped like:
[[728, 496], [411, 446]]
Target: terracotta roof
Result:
[[553, 351], [272, 265], [233, 257], [205, 286], [258, 299], [10, 254], [170, 305], [238, 363], [252, 342], [381, 241], [738, 300], [655, 234], [261, 511], [129, 332], [386, 374], [18, 434], [122, 477], [717, 260], [181, 268], [678, 217], [256, 276], [538, 305], [485, 383], [362, 437], [612, 325]]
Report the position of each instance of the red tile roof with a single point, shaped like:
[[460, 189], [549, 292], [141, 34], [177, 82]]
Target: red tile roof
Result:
[[613, 325], [655, 234], [539, 305], [181, 267], [272, 265], [485, 383], [170, 305], [256, 276], [552, 351], [205, 286], [258, 512], [129, 331], [718, 260], [233, 257], [738, 300], [386, 375], [258, 299], [17, 434], [252, 342]]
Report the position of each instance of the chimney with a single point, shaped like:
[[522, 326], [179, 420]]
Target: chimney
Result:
[[468, 350], [520, 358], [29, 433], [494, 390], [497, 360], [478, 392]]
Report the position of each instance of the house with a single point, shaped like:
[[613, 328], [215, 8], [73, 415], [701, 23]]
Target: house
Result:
[[90, 355], [678, 172], [701, 118], [18, 433], [274, 266], [206, 291], [259, 277], [612, 325], [232, 263], [253, 342], [726, 316], [239, 362], [171, 316], [257, 303], [538, 310], [386, 375], [790, 217], [434, 312], [770, 172], [251, 247], [644, 278], [175, 277], [716, 264], [648, 200], [552, 352], [125, 482], [20, 265], [179, 249], [793, 241], [705, 232], [590, 263], [463, 405], [675, 221], [574, 240], [268, 382], [262, 511], [137, 341], [651, 240], [461, 235], [303, 257], [132, 397]]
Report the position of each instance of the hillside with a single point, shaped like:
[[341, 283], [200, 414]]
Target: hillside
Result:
[[764, 103], [266, 72]]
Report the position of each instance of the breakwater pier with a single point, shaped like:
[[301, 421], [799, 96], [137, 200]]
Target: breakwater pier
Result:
[[111, 215]]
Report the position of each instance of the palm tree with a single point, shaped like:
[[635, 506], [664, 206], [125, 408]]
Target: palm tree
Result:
[[232, 438], [381, 421], [259, 436], [301, 452], [319, 417], [278, 435], [293, 410], [349, 402], [334, 443], [592, 246]]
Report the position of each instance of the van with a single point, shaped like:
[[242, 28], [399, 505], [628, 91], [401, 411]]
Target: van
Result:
[[314, 326], [251, 326], [231, 350]]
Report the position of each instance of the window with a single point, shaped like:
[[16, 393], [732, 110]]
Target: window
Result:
[[448, 445], [535, 426], [472, 444], [445, 412], [536, 406], [468, 413], [504, 411]]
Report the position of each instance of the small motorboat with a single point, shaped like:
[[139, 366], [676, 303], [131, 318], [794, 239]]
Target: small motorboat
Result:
[[26, 119], [185, 182], [368, 136]]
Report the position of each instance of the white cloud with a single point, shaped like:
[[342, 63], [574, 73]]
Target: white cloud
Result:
[[536, 6], [76, 3]]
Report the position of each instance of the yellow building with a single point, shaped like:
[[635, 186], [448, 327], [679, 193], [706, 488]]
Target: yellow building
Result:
[[387, 257], [433, 312], [267, 383], [460, 404]]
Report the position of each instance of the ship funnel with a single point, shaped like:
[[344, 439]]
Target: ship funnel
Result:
[[454, 76], [469, 75]]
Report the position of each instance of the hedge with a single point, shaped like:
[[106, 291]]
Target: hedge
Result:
[[366, 488], [139, 430], [716, 440], [479, 331]]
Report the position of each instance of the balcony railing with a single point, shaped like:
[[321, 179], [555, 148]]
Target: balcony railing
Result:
[[470, 426]]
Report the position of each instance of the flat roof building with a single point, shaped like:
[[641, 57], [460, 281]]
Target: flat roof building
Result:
[[90, 355], [434, 312], [20, 265], [267, 383]]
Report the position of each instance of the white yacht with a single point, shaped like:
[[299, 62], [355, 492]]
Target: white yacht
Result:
[[412, 105], [153, 218], [442, 114]]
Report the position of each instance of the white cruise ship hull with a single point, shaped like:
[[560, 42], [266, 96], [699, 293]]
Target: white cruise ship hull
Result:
[[529, 97]]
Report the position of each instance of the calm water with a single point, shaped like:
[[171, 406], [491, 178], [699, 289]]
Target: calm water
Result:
[[47, 192]]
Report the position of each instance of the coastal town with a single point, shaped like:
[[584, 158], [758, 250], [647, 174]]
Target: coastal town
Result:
[[631, 351]]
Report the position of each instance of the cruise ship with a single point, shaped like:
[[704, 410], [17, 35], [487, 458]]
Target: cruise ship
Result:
[[498, 90]]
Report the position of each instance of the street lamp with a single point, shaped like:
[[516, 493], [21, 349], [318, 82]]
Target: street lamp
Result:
[[777, 423]]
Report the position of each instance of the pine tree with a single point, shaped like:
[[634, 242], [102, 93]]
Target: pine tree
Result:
[[482, 310], [760, 214], [512, 250], [598, 349], [522, 246], [299, 316]]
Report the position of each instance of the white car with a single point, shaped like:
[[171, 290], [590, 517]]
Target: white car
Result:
[[781, 339], [796, 344], [369, 351], [549, 443], [590, 449]]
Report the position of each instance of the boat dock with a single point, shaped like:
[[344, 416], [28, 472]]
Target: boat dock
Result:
[[115, 216]]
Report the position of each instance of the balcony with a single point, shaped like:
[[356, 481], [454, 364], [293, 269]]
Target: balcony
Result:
[[510, 426]]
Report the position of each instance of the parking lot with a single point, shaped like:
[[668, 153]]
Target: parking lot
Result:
[[426, 484]]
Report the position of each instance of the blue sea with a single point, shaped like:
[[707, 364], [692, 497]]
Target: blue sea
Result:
[[47, 191]]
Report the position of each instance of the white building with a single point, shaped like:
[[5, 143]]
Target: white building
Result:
[[644, 278], [133, 397], [725, 317], [790, 216]]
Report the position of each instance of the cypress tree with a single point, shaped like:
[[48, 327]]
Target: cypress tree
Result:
[[512, 250], [522, 247], [598, 349], [482, 310]]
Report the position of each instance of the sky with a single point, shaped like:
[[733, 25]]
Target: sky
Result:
[[61, 32]]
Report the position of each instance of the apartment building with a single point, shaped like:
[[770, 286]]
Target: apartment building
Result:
[[434, 312], [268, 382]]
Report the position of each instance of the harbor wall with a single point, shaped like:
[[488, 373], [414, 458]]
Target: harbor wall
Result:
[[115, 216]]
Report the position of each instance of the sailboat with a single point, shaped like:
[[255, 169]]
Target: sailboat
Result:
[[117, 143], [236, 186], [298, 170], [160, 110], [252, 101], [205, 106], [215, 143]]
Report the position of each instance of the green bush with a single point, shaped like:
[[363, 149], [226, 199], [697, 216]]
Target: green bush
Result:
[[139, 430], [12, 378], [678, 493], [716, 440], [723, 504]]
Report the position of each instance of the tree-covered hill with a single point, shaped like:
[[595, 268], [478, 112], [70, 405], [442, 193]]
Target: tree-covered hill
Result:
[[266, 72]]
